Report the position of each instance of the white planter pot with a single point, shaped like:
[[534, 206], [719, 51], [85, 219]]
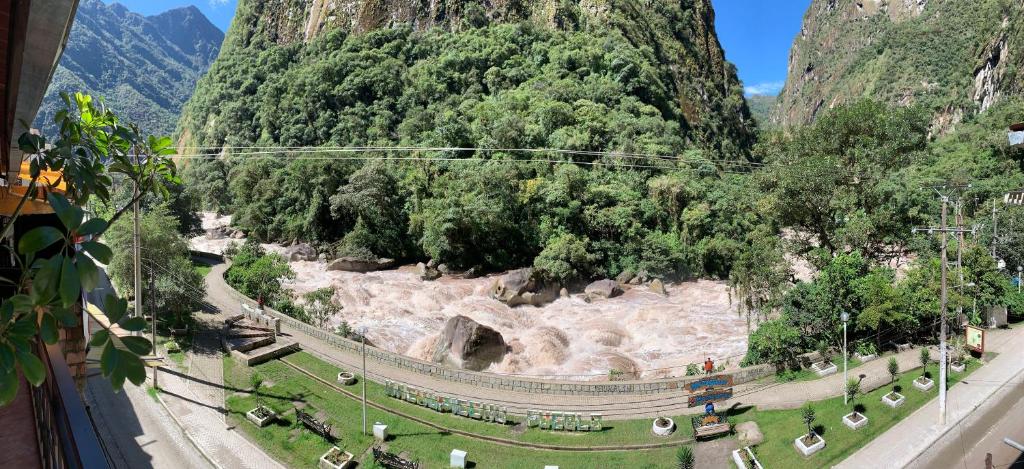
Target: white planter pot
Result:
[[345, 461], [809, 450], [663, 431], [742, 455], [380, 431], [894, 403], [923, 383], [958, 367], [261, 421], [865, 358], [346, 378], [848, 420], [824, 368]]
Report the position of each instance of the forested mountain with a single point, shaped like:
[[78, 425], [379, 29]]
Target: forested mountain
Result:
[[954, 58], [144, 67], [761, 108], [586, 77]]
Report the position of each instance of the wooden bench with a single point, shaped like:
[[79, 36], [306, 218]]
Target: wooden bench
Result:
[[710, 426], [309, 421], [392, 461]]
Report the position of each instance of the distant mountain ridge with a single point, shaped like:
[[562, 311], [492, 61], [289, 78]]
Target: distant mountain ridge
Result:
[[144, 67]]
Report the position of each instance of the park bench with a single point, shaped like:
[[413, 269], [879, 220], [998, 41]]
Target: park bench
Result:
[[309, 421], [392, 461], [709, 426]]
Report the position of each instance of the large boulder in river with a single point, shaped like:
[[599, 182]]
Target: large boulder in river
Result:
[[469, 345], [300, 252], [603, 289], [657, 286], [356, 264], [518, 287], [427, 272]]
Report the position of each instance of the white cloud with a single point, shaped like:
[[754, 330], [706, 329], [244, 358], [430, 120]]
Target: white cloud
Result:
[[217, 3], [769, 88]]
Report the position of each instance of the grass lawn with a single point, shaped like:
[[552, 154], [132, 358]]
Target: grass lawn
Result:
[[286, 387], [781, 427], [203, 269]]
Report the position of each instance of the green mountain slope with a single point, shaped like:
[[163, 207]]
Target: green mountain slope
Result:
[[761, 108], [954, 58], [144, 67], [604, 80]]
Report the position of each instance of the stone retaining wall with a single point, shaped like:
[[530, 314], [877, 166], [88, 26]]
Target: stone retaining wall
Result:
[[505, 382]]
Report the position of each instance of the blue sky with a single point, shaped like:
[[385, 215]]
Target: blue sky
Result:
[[755, 34]]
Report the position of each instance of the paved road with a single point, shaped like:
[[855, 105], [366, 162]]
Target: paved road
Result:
[[763, 395], [136, 431]]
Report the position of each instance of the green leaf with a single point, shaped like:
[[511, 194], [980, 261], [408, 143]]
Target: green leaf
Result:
[[6, 357], [115, 307], [45, 281], [65, 316], [70, 215], [98, 251], [38, 239], [49, 330], [34, 371], [88, 274], [92, 226], [24, 327], [8, 385], [6, 312], [99, 338], [139, 345], [70, 286], [133, 324], [21, 303], [134, 368], [110, 365]]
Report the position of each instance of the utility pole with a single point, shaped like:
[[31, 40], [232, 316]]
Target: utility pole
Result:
[[995, 230], [152, 315], [960, 260], [943, 230], [137, 247], [362, 338]]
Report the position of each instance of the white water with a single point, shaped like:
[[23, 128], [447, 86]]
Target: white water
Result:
[[640, 331]]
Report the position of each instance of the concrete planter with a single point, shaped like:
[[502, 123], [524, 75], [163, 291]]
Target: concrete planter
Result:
[[665, 429], [855, 420], [894, 399], [745, 459], [924, 384], [335, 458], [807, 450], [824, 368], [172, 346], [958, 367], [864, 358], [346, 378], [261, 419]]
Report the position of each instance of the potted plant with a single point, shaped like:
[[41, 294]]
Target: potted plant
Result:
[[825, 367], [956, 347], [865, 351], [346, 378], [894, 369], [746, 459], [856, 419], [684, 458], [894, 399], [261, 415], [811, 442], [923, 382], [335, 458], [663, 426]]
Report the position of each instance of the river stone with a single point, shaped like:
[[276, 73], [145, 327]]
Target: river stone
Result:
[[749, 434], [469, 344], [300, 252], [355, 264], [427, 272], [624, 277], [658, 287], [237, 235], [603, 289], [219, 232], [517, 287]]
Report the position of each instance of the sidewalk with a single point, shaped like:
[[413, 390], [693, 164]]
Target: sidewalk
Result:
[[919, 439], [616, 407]]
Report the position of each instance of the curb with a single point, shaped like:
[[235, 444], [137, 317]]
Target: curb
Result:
[[188, 435]]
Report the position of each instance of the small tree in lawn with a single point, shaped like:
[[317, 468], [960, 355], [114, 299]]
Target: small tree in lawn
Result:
[[807, 414], [852, 389], [925, 358], [894, 369], [256, 382], [684, 456]]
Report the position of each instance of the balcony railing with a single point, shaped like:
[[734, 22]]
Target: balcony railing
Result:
[[65, 433]]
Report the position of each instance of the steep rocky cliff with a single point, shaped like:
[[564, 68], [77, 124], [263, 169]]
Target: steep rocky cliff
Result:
[[674, 41], [955, 58]]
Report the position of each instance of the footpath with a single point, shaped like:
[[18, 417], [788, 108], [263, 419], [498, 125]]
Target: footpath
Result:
[[919, 441], [613, 407]]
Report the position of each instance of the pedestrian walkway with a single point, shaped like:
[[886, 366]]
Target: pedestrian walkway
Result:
[[763, 395], [195, 397], [980, 394]]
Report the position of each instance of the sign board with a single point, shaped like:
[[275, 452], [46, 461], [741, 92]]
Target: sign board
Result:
[[710, 382], [714, 395], [975, 339]]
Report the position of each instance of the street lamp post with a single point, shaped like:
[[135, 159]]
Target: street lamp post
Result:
[[362, 338], [846, 318]]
